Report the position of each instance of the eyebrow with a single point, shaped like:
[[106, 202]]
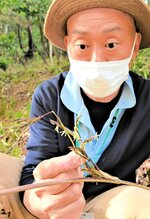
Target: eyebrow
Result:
[[79, 32], [111, 29], [107, 30]]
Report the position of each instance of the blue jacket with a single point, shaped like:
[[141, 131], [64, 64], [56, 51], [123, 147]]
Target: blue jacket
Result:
[[129, 147]]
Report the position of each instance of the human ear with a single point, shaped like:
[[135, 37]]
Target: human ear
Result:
[[66, 41]]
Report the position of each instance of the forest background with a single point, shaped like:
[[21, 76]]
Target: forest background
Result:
[[27, 59]]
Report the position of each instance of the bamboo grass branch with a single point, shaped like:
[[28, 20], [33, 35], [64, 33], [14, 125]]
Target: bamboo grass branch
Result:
[[89, 166], [14, 133], [97, 175], [65, 131], [51, 182]]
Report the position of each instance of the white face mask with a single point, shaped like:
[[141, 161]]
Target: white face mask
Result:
[[100, 79]]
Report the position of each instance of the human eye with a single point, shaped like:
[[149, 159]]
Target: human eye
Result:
[[111, 45], [82, 46]]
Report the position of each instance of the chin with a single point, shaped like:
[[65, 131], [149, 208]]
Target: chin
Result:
[[103, 99]]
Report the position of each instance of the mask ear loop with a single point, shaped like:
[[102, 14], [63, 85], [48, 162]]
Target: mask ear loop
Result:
[[133, 47], [68, 52]]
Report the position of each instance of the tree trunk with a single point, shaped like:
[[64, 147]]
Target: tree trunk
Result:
[[44, 41], [51, 53], [30, 52], [19, 38]]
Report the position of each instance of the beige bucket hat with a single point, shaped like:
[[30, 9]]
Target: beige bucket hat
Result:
[[61, 10]]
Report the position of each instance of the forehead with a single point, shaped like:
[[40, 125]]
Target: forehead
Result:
[[99, 17]]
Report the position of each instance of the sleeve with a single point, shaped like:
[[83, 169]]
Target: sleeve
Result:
[[43, 140]]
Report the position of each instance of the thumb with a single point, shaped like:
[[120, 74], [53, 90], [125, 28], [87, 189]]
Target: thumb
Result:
[[52, 167]]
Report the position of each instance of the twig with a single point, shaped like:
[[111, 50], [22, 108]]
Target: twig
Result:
[[50, 182], [14, 133], [97, 174]]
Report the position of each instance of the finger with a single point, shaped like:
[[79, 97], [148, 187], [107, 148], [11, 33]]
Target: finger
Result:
[[54, 166], [55, 189], [51, 203], [72, 211]]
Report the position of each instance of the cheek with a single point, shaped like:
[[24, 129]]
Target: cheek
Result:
[[78, 54], [125, 53]]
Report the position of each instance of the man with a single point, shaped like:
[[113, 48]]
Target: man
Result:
[[102, 39]]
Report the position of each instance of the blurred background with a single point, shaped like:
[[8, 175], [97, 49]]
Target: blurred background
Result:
[[27, 59]]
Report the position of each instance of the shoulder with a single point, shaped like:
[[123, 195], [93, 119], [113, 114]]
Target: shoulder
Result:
[[52, 86], [140, 84], [47, 94], [142, 93]]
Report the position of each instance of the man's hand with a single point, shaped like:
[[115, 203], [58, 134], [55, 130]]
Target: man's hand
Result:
[[57, 201]]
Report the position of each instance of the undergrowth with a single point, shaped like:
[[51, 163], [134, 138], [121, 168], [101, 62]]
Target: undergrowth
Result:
[[17, 84]]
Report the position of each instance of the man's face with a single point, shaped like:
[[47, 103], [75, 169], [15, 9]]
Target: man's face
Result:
[[100, 35]]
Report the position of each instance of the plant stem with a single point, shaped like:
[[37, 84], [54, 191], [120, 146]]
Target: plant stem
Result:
[[50, 182]]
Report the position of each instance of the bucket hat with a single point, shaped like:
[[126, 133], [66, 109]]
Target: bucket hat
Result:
[[60, 11]]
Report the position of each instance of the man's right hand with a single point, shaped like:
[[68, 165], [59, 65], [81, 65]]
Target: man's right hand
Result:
[[57, 201]]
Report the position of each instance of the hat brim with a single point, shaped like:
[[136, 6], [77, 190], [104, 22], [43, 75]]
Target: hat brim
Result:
[[60, 11]]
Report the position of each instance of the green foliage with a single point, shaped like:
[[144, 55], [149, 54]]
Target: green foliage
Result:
[[8, 48], [19, 76], [3, 64], [56, 67], [17, 17], [14, 134], [142, 64], [20, 82], [148, 173]]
